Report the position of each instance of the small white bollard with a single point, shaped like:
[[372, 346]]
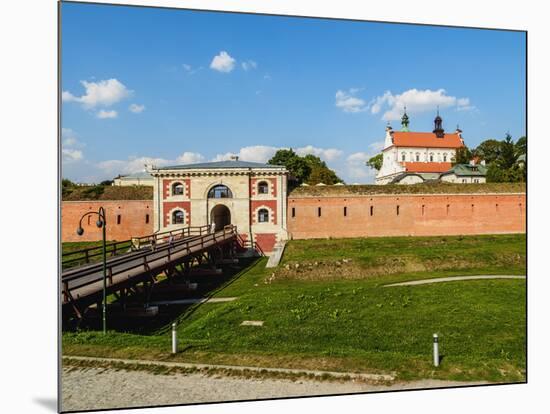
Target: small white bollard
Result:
[[174, 339], [436, 350]]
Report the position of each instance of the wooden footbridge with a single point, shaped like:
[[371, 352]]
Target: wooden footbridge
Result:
[[149, 256]]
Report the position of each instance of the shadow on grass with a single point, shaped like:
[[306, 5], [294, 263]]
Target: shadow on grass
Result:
[[132, 320]]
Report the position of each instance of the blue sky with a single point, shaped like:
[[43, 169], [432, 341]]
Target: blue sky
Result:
[[143, 85]]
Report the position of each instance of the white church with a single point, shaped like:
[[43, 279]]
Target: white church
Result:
[[417, 157]]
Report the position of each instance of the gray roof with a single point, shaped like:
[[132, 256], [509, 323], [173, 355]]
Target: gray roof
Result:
[[220, 164], [468, 170], [141, 174]]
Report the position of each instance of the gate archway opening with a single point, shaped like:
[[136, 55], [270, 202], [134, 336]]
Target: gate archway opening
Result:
[[220, 216]]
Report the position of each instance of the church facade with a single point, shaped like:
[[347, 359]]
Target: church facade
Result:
[[415, 157], [251, 196]]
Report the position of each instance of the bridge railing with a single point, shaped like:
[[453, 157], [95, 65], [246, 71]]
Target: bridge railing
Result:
[[250, 244], [78, 278], [90, 254], [139, 242]]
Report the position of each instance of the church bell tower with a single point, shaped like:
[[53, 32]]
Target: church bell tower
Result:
[[438, 123]]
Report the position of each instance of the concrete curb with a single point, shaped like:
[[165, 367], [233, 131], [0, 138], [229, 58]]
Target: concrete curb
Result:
[[192, 301], [276, 255], [350, 375], [454, 278]]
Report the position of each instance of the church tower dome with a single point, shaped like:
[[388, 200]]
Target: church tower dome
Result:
[[405, 121], [438, 126]]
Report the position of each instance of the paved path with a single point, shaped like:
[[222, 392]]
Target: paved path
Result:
[[99, 388], [192, 301], [455, 278]]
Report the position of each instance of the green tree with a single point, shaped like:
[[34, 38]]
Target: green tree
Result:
[[282, 157], [308, 169], [463, 155], [488, 150], [521, 146], [320, 173], [375, 162], [505, 168], [66, 183], [296, 165], [106, 182], [507, 157], [67, 187]]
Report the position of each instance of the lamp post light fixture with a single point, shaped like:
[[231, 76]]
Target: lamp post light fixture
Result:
[[101, 223]]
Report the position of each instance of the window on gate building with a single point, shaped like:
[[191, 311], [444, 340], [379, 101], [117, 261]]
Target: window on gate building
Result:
[[263, 215], [220, 191], [177, 189], [178, 217], [263, 188]]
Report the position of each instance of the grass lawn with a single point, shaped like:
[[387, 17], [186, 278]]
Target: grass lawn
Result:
[[314, 319]]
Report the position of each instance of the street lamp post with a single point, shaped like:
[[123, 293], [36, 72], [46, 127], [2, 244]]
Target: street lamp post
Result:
[[102, 223]]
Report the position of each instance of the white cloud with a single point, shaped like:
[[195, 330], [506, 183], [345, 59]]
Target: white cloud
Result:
[[190, 158], [189, 69], [249, 65], [348, 102], [68, 137], [357, 170], [136, 164], [267, 76], [131, 165], [350, 167], [136, 109], [66, 96], [463, 104], [376, 146], [223, 62], [254, 153], [326, 154], [70, 146], [103, 114], [71, 155], [101, 93], [416, 101]]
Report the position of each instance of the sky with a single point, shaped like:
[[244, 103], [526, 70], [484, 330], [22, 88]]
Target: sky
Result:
[[165, 86]]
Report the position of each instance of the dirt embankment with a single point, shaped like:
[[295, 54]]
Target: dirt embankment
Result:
[[348, 268]]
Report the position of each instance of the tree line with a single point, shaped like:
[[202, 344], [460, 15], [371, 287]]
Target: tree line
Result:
[[308, 169], [501, 157]]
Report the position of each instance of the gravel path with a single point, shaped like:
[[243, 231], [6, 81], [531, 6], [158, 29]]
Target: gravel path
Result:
[[97, 388], [454, 278]]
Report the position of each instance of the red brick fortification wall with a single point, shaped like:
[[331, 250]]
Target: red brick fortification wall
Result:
[[132, 219], [419, 215]]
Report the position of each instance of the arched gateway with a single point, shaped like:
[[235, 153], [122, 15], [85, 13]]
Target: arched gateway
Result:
[[220, 216]]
